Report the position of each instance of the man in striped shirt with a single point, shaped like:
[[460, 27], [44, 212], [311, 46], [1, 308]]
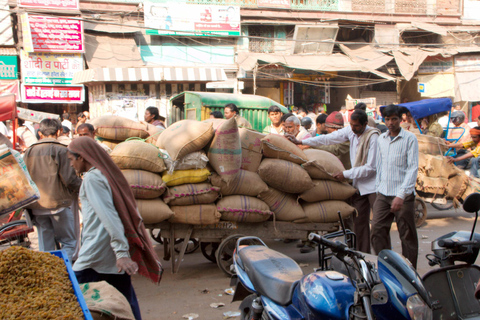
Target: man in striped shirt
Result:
[[397, 167]]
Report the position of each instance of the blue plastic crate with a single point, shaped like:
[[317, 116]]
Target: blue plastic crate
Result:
[[73, 280]]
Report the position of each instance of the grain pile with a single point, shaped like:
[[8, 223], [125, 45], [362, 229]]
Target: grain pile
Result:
[[35, 285]]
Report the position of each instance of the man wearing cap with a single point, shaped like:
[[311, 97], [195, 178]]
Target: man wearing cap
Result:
[[473, 143], [363, 155]]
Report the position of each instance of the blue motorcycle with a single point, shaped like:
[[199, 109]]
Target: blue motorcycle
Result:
[[272, 285]]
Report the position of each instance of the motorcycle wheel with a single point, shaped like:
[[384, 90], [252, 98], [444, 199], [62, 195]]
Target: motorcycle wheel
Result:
[[224, 254], [245, 310], [420, 212]]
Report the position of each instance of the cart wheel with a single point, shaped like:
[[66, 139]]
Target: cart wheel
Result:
[[420, 212], [156, 235], [224, 253], [8, 236], [209, 249], [193, 245], [446, 206]]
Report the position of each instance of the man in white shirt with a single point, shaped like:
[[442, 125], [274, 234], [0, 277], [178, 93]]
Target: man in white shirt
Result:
[[363, 155], [66, 122]]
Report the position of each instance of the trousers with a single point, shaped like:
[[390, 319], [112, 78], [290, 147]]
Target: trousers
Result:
[[361, 223], [405, 218]]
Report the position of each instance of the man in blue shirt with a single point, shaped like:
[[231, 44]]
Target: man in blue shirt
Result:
[[397, 167]]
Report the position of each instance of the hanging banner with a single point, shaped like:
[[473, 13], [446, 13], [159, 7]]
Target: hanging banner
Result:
[[436, 64], [194, 20], [43, 94], [468, 63], [55, 34], [50, 68], [8, 87], [8, 67], [49, 4]]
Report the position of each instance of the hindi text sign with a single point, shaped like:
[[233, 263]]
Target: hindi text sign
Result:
[[42, 94], [50, 68], [49, 4], [56, 34]]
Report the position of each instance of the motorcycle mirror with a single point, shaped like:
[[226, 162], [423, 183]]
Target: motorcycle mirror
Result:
[[472, 203]]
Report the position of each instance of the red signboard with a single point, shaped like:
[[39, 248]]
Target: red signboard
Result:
[[49, 4], [56, 34], [41, 94], [274, 3], [7, 87]]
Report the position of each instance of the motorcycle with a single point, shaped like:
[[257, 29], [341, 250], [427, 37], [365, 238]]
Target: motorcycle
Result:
[[272, 285], [451, 287]]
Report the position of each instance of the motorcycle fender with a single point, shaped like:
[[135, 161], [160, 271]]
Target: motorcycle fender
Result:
[[240, 292]]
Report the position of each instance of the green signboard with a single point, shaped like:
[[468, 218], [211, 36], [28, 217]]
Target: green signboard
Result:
[[8, 67]]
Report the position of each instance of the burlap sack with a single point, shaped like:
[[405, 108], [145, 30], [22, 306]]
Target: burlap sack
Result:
[[245, 183], [194, 160], [328, 190], [145, 184], [251, 148], [278, 147], [243, 209], [109, 143], [153, 132], [154, 210], [216, 122], [139, 155], [325, 211], [184, 137], [473, 186], [118, 128], [438, 167], [431, 145], [284, 205], [422, 162], [285, 176], [105, 299], [436, 186], [322, 165], [457, 185], [189, 194], [225, 152], [185, 176], [199, 214]]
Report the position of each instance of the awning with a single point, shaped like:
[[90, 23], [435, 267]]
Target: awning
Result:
[[149, 75], [366, 55], [112, 51], [409, 61], [320, 63], [8, 110], [467, 86], [112, 26]]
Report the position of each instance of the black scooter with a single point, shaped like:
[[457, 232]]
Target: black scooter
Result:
[[452, 286]]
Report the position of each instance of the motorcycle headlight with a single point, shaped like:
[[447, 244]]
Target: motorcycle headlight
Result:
[[418, 309]]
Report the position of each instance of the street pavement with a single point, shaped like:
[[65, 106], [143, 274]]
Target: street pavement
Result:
[[200, 282]]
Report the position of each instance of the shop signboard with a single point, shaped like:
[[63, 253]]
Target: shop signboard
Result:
[[285, 4], [10, 86], [49, 4], [467, 63], [436, 65], [50, 68], [8, 67], [52, 34], [193, 20], [46, 94]]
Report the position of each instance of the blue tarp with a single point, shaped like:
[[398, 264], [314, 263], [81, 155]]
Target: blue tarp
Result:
[[424, 108]]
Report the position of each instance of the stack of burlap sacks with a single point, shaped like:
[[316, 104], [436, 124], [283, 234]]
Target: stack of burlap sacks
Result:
[[250, 177]]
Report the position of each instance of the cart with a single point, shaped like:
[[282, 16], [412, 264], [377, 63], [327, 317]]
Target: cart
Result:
[[218, 240]]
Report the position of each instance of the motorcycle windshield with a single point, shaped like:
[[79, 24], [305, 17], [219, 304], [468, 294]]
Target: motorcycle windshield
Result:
[[400, 279]]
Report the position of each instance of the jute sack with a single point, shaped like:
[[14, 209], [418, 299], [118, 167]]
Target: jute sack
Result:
[[285, 176], [278, 147], [284, 205], [328, 190], [118, 128], [431, 185], [456, 186], [184, 137], [245, 183], [473, 186], [438, 167], [153, 132], [194, 160], [185, 176], [322, 165], [431, 145], [199, 214], [325, 211], [422, 162], [109, 143], [140, 155], [251, 148], [243, 209], [216, 122], [145, 184], [189, 194], [225, 152], [153, 211]]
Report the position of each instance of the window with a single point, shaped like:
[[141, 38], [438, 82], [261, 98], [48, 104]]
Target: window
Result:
[[264, 43]]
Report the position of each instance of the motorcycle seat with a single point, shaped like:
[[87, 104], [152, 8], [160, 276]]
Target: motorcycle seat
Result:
[[272, 273]]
